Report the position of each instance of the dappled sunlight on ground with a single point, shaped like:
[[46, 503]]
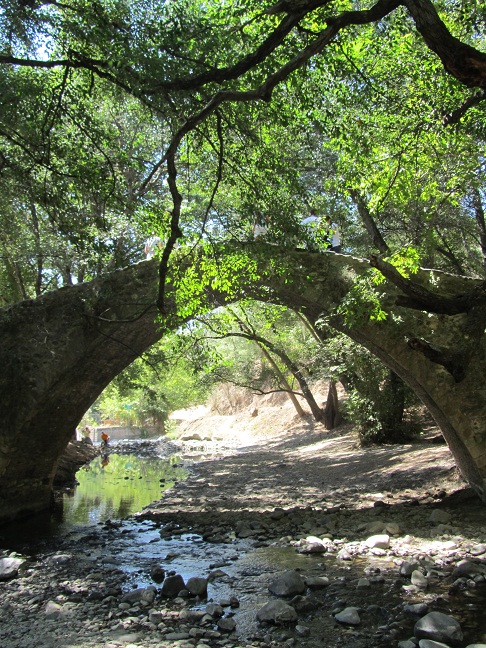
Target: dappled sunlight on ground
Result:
[[277, 460]]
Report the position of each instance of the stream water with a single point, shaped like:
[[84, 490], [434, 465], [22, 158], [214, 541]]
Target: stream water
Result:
[[95, 521], [112, 487]]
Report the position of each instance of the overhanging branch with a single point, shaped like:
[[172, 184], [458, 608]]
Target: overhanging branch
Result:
[[420, 298], [465, 63], [456, 115], [454, 362]]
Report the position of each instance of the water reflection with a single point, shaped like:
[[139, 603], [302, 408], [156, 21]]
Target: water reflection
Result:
[[112, 487]]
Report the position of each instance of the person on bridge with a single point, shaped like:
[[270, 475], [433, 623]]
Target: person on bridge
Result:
[[260, 227], [104, 439], [333, 235], [152, 244]]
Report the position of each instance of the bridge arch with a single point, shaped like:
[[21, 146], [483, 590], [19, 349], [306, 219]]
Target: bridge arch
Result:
[[59, 351]]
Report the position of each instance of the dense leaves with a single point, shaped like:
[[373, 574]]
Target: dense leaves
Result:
[[192, 121]]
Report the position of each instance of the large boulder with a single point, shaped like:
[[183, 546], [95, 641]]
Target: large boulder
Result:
[[289, 584]]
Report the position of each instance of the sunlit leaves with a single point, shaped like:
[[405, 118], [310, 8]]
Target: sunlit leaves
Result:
[[363, 304]]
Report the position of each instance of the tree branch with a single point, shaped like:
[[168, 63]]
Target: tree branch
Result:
[[454, 363], [465, 63], [369, 222], [420, 298], [456, 115]]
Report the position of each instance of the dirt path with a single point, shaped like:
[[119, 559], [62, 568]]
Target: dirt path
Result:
[[290, 462]]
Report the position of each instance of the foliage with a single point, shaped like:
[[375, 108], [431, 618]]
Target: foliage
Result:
[[154, 385], [230, 345], [371, 407], [376, 398], [364, 302], [195, 119]]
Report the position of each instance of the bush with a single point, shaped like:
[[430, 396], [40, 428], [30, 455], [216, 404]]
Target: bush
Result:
[[378, 402], [373, 419]]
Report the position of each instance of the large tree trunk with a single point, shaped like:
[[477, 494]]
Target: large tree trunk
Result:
[[393, 418], [58, 352], [332, 416]]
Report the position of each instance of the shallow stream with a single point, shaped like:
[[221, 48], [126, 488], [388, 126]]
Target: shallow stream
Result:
[[112, 487], [115, 486], [94, 522]]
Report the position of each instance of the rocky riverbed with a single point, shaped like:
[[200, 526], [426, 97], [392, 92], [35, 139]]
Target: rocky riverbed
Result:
[[304, 540]]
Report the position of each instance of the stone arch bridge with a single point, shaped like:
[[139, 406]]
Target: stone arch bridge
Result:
[[59, 351]]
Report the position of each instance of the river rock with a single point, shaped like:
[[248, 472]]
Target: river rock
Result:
[[191, 616], [313, 544], [214, 610], [126, 637], [348, 616], [60, 559], [9, 567], [157, 573], [377, 526], [197, 586], [140, 594], [52, 609], [429, 643], [418, 609], [343, 554], [302, 631], [392, 528], [408, 567], [312, 548], [228, 624], [156, 617], [304, 604], [380, 541], [419, 580], [277, 612], [439, 627], [177, 636], [215, 574], [438, 516], [172, 586], [467, 568], [316, 582], [288, 584]]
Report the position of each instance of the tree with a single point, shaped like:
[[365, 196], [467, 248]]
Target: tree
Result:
[[159, 382], [265, 325], [182, 64], [206, 82]]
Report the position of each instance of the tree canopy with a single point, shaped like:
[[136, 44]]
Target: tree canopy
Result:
[[193, 119]]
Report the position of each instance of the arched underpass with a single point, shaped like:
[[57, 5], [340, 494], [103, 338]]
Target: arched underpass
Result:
[[58, 352]]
